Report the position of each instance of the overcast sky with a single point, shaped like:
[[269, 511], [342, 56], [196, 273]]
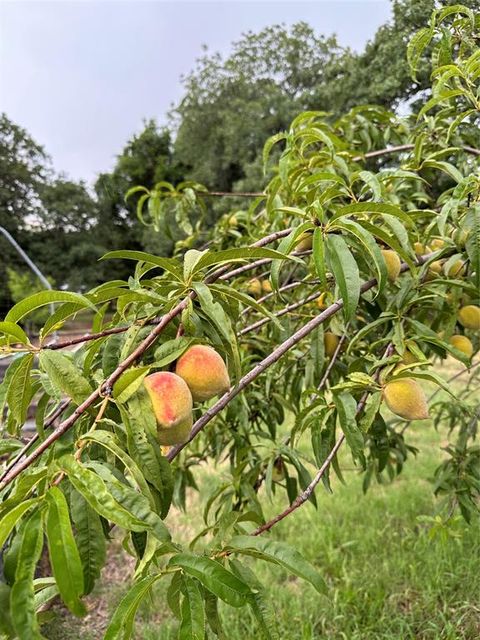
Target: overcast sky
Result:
[[81, 76]]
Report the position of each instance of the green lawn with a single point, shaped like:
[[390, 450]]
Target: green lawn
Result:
[[388, 579]]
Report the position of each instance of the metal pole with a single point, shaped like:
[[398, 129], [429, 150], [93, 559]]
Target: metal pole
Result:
[[30, 262]]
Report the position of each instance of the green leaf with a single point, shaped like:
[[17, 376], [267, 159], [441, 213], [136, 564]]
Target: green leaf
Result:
[[133, 502], [212, 614], [190, 260], [416, 46], [45, 595], [371, 181], [436, 100], [269, 144], [286, 245], [121, 624], [214, 577], [236, 255], [444, 12], [63, 552], [43, 298], [24, 485], [171, 350], [65, 375], [168, 264], [11, 517], [42, 405], [110, 441], [261, 605], [58, 317], [90, 539], [401, 235], [19, 390], [372, 407], [346, 411], [281, 554], [22, 596], [95, 492], [345, 271], [473, 245], [6, 629], [133, 190], [373, 208], [6, 382], [174, 592], [388, 239], [192, 625], [145, 450], [128, 383], [369, 243], [446, 167], [319, 256], [13, 330]]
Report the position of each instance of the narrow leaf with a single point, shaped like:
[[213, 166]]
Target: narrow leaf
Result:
[[22, 596], [345, 270], [214, 577], [65, 375], [90, 539], [281, 554], [121, 624], [63, 552], [192, 625], [43, 298]]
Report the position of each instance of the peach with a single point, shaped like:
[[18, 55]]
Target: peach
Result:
[[204, 371], [172, 406]]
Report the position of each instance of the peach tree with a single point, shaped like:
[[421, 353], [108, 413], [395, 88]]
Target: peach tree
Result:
[[327, 300]]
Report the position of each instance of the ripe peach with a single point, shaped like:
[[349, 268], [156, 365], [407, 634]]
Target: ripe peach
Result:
[[172, 406], [204, 371]]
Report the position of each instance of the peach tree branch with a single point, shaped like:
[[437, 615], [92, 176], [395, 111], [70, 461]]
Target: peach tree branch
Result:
[[306, 493]]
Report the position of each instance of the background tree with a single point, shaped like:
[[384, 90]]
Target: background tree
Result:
[[24, 168], [146, 159], [231, 105], [64, 240], [266, 80]]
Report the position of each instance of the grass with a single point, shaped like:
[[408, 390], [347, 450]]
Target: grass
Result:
[[388, 579]]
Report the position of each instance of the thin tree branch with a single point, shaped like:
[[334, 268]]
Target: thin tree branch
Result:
[[231, 194], [48, 423], [87, 337], [279, 314], [333, 359], [472, 150], [305, 495], [258, 263], [357, 158], [383, 152], [285, 287]]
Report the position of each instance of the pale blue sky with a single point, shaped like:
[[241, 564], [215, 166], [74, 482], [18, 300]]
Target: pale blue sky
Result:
[[81, 75]]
